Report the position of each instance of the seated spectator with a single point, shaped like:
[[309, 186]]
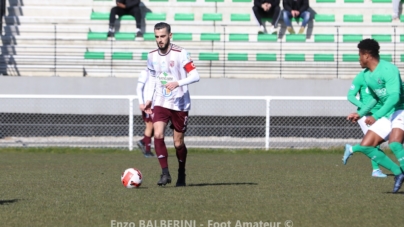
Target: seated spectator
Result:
[[396, 9], [125, 7], [267, 9], [295, 9]]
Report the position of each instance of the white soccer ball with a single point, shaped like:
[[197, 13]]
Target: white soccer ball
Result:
[[131, 178]]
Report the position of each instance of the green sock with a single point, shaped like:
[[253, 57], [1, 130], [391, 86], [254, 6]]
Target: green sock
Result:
[[397, 149], [379, 157], [375, 166]]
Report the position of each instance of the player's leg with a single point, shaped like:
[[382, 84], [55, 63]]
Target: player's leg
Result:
[[179, 122], [160, 120], [376, 172], [145, 143], [396, 139]]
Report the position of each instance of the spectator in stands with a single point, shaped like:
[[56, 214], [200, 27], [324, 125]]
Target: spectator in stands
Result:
[[267, 9], [125, 7], [295, 9], [396, 9]]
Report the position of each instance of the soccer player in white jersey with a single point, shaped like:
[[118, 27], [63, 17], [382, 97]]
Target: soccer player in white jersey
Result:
[[145, 143], [170, 71]]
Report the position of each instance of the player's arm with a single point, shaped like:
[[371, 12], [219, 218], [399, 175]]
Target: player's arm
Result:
[[150, 86], [189, 67], [141, 83], [393, 89], [353, 91]]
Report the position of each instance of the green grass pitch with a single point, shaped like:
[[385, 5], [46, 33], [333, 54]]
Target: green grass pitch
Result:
[[81, 187]]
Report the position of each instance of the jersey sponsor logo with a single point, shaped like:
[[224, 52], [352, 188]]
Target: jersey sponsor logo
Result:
[[352, 86], [380, 92], [164, 79]]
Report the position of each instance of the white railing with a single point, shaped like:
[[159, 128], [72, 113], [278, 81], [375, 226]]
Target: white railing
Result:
[[215, 121]]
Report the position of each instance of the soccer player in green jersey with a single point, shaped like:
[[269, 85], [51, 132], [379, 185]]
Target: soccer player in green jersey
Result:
[[384, 82], [366, 106]]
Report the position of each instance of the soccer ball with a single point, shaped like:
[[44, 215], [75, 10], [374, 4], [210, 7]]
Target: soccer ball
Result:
[[131, 178]]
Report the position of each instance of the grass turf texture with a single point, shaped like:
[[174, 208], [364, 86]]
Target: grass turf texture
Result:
[[81, 187]]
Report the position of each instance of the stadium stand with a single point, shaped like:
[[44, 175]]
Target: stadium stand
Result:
[[69, 38]]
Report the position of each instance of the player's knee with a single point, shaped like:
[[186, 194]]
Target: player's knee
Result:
[[178, 144], [158, 135], [395, 146]]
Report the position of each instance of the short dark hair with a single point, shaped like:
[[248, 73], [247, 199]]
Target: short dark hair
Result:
[[162, 25], [371, 46]]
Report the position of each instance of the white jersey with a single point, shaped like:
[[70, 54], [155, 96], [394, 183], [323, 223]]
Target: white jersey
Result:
[[141, 85], [172, 66]]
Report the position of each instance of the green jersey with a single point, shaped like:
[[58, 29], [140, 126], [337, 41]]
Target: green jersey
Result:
[[366, 102], [386, 86]]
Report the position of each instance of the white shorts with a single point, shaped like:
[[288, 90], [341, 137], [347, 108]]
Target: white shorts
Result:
[[397, 119], [382, 127], [363, 125]]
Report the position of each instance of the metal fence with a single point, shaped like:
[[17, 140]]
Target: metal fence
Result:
[[215, 122]]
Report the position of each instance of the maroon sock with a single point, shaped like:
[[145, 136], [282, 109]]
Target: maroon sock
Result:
[[147, 142], [161, 152], [181, 156]]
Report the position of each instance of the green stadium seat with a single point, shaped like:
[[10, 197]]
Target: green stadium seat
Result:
[[402, 18], [381, 18], [350, 57], [210, 37], [353, 1], [99, 16], [402, 58], [242, 1], [381, 1], [124, 36], [149, 36], [186, 0], [382, 38], [239, 17], [182, 36], [295, 38], [184, 16], [238, 37], [94, 55], [97, 36], [209, 56], [353, 18], [323, 57], [156, 16], [237, 57], [127, 17], [324, 18], [212, 17], [122, 56], [349, 38], [214, 0], [144, 55], [295, 57], [386, 57], [265, 57], [402, 38], [325, 1], [267, 38], [324, 38]]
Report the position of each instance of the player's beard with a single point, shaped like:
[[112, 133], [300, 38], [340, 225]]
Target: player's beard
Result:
[[165, 47]]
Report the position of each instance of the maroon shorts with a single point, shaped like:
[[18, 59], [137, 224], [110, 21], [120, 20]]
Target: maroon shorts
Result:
[[179, 119], [146, 117]]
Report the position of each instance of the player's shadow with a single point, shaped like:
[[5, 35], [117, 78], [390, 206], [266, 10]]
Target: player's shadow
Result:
[[221, 184], [394, 193], [5, 202]]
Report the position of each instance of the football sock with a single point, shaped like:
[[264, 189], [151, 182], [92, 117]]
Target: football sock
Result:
[[375, 166], [181, 156], [165, 171], [397, 149], [379, 157], [147, 142], [161, 152]]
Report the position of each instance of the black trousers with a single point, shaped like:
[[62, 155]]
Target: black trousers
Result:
[[274, 13], [134, 11]]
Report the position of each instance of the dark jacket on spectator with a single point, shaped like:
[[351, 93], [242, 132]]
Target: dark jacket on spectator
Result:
[[129, 3], [273, 3], [299, 5]]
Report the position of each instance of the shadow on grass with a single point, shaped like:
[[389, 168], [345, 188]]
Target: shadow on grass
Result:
[[5, 202], [219, 184]]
